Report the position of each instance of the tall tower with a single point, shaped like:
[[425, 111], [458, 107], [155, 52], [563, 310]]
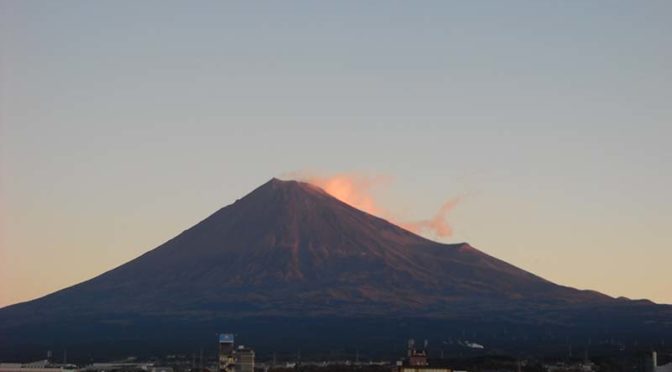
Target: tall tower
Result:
[[227, 361]]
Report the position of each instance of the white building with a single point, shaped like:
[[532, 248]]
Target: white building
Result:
[[39, 366]]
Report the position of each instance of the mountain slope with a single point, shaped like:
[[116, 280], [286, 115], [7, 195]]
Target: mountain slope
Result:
[[288, 239], [289, 249]]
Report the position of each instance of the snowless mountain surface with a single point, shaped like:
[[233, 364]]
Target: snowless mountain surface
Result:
[[288, 250]]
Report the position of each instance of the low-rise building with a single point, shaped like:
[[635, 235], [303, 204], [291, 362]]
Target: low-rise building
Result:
[[244, 359], [416, 361], [38, 366]]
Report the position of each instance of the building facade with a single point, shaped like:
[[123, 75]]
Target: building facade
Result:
[[244, 359], [227, 359]]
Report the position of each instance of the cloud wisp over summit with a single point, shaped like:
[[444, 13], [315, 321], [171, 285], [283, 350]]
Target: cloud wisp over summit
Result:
[[359, 191]]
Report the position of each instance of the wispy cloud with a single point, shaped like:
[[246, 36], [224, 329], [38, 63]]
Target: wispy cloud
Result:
[[359, 190]]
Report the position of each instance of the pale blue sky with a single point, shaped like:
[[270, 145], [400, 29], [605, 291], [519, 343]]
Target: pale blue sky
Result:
[[124, 122]]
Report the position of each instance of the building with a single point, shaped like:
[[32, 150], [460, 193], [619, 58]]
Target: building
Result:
[[570, 367], [244, 359], [227, 360], [121, 367], [39, 366], [416, 361], [652, 364]]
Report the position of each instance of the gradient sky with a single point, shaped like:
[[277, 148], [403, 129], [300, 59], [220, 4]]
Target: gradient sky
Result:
[[124, 123]]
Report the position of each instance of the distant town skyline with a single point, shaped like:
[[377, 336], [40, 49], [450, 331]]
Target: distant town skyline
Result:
[[124, 123]]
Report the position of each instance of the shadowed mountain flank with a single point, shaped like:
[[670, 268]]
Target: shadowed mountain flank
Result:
[[289, 249]]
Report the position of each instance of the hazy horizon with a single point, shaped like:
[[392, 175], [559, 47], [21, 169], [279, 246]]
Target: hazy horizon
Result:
[[537, 132]]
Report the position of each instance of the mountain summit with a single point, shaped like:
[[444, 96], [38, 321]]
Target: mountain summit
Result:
[[288, 249]]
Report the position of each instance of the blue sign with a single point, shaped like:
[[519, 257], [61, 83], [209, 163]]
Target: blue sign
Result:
[[226, 338]]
